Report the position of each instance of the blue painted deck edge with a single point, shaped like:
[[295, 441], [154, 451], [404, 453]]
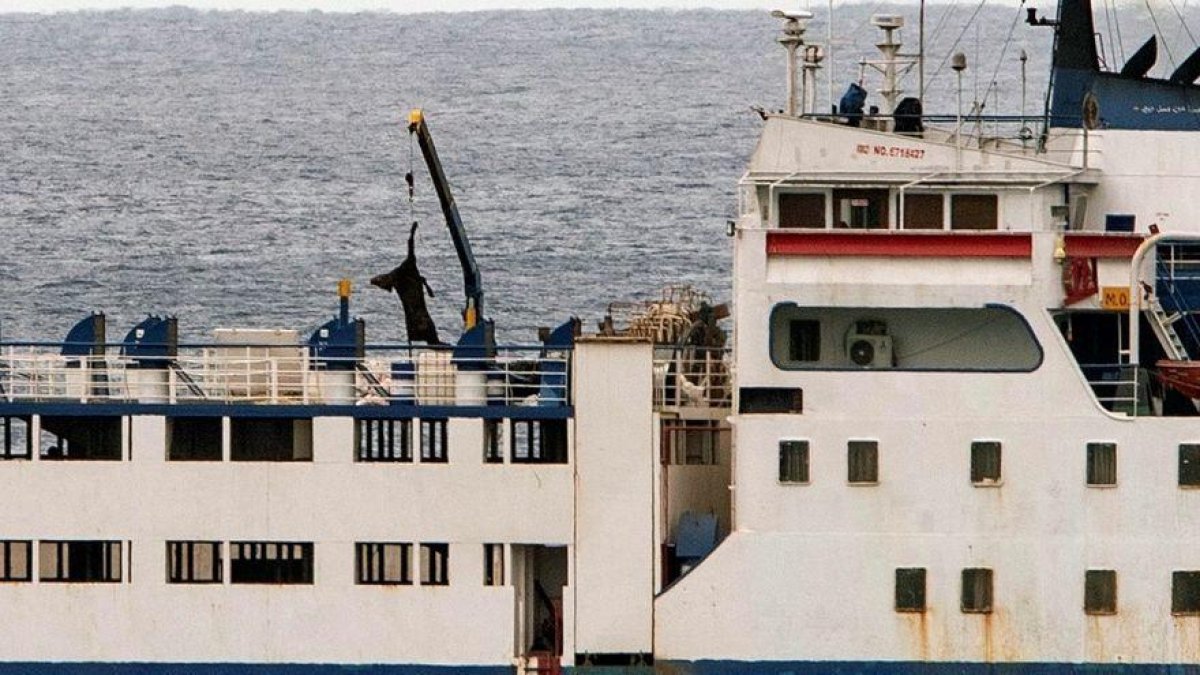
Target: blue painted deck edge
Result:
[[913, 668], [286, 410]]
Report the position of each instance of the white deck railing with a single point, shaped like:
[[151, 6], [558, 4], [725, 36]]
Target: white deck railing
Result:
[[286, 375], [692, 378]]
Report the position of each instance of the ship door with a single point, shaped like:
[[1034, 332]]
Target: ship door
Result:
[[539, 575]]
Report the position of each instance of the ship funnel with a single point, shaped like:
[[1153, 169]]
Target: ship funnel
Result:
[[794, 25]]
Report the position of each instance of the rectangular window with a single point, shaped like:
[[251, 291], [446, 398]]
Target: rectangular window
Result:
[[1101, 464], [910, 589], [802, 210], [863, 459], [539, 441], [770, 400], [263, 562], [860, 209], [793, 461], [266, 439], [1185, 592], [985, 462], [1189, 464], [977, 590], [435, 568], [15, 439], [804, 340], [194, 562], [1100, 592], [194, 439], [493, 564], [974, 212], [15, 563], [384, 440], [81, 438], [924, 211], [493, 442], [434, 441], [386, 564], [79, 561]]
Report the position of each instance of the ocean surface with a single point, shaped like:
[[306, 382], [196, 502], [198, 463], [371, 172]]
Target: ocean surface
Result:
[[230, 167]]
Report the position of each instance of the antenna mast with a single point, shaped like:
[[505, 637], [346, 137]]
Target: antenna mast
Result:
[[794, 26]]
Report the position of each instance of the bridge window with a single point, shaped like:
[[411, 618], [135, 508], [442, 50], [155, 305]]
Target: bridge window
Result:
[[1101, 464], [258, 562], [1100, 592], [910, 589], [15, 440], [802, 210], [79, 561], [435, 564], [194, 562], [793, 462], [804, 340], [194, 439], [539, 441], [384, 440], [434, 441], [15, 563], [977, 590], [860, 209], [974, 212], [924, 211], [268, 439], [81, 438], [383, 563]]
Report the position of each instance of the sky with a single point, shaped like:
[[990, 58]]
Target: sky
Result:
[[401, 5]]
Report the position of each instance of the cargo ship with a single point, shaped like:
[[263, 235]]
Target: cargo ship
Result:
[[953, 431]]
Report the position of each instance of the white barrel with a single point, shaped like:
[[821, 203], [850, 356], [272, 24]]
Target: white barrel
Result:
[[148, 385], [337, 386], [472, 387]]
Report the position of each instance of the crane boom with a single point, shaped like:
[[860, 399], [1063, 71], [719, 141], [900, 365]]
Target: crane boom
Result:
[[472, 281]]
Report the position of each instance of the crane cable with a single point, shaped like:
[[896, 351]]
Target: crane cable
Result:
[[1183, 22], [958, 39], [994, 85], [1163, 36]]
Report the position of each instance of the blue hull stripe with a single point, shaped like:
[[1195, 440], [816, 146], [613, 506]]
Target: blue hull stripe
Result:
[[913, 668]]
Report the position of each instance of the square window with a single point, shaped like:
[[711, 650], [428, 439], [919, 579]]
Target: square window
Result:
[[1100, 592], [974, 212], [15, 440], [383, 563], [194, 562], [270, 562], [977, 590], [804, 340], [1185, 592], [802, 210], [1101, 464], [910, 589], [383, 440], [923, 211], [493, 445], [1189, 464], [79, 561], [863, 460], [985, 462], [793, 461]]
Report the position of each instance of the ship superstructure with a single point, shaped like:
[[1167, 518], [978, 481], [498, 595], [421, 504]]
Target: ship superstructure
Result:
[[957, 428]]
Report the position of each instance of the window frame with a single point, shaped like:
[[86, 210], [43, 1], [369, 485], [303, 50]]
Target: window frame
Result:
[[985, 575], [1192, 447], [107, 573], [1192, 578], [434, 564], [7, 437], [897, 605], [804, 446], [181, 550], [984, 481], [826, 196], [1094, 462], [370, 563], [1110, 606], [862, 443], [974, 193], [6, 573], [376, 440], [434, 440], [307, 559]]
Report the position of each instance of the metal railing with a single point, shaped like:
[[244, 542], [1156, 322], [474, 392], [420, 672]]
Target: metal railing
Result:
[[1120, 388], [698, 377], [280, 375]]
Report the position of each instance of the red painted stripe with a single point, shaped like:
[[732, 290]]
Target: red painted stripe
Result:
[[901, 244], [1095, 245]]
